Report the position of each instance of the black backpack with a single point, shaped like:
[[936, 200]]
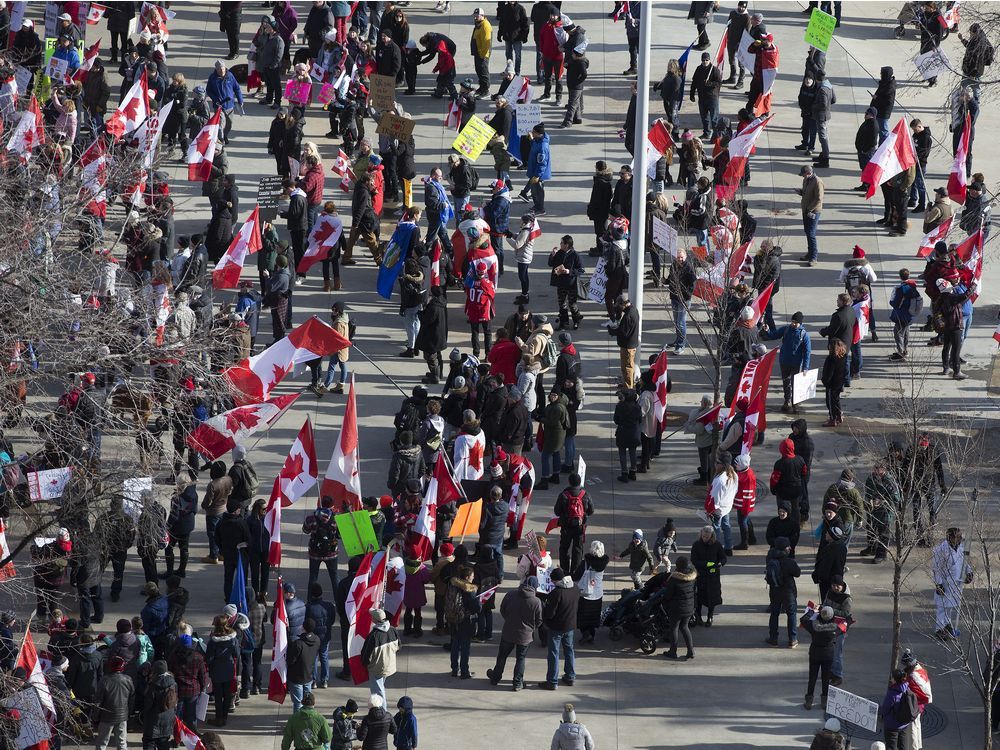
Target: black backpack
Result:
[[853, 280], [245, 481], [773, 574], [323, 540], [408, 417], [473, 176], [907, 710]]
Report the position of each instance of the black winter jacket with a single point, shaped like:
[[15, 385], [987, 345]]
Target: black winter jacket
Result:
[[559, 610]]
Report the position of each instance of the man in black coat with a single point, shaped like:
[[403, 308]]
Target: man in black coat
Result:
[[781, 570], [388, 58], [232, 536], [433, 335], [568, 363], [626, 333], [705, 82], [512, 30], [841, 323], [559, 618], [783, 525], [493, 525], [599, 205], [680, 284], [866, 141], [830, 559], [515, 423]]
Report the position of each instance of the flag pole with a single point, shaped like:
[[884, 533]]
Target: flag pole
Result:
[[27, 629]]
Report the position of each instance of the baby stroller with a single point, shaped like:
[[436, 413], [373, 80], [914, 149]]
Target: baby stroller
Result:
[[640, 613]]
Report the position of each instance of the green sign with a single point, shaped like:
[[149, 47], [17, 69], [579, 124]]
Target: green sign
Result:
[[819, 32], [357, 532]]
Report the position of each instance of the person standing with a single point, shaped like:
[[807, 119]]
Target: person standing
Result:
[[521, 610], [113, 704], [462, 612], [222, 658], [739, 21], [720, 500], [306, 729], [512, 30], [566, 268], [919, 683], [301, 660], [708, 557], [626, 332], [679, 600], [680, 284], [379, 653], [323, 614], [831, 559], [571, 734], [270, 51], [821, 112], [576, 74], [906, 303], [539, 167], [482, 41], [701, 13], [572, 508], [823, 630], [559, 617], [229, 22], [884, 100], [793, 356], [812, 206], [781, 570], [922, 142], [705, 83], [948, 306], [866, 141], [951, 572], [894, 708]]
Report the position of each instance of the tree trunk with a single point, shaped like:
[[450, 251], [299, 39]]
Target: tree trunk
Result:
[[987, 724], [897, 624]]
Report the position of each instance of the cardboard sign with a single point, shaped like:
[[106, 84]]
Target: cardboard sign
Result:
[[804, 385], [473, 139], [932, 64], [356, 532], [268, 194], [56, 69], [48, 484], [394, 126], [528, 115], [382, 92], [581, 469], [852, 708], [664, 236], [33, 727], [534, 551], [597, 289], [326, 93], [467, 520], [298, 92], [819, 32], [22, 76]]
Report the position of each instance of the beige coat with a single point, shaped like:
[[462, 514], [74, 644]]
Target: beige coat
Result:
[[812, 195], [341, 326]]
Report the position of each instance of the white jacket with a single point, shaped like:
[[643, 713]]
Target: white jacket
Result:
[[724, 493]]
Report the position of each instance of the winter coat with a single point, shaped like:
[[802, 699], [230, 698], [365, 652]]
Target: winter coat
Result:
[[433, 334], [841, 326], [555, 422], [571, 736], [708, 559], [231, 532], [834, 374], [374, 729], [306, 728], [599, 205], [221, 657], [493, 523], [158, 724], [884, 98], [789, 572], [866, 139], [796, 346], [86, 667], [893, 697], [824, 101], [295, 611], [628, 422], [323, 615], [406, 463], [521, 610], [830, 561], [512, 23], [679, 595], [404, 726], [788, 528], [559, 611], [539, 160], [343, 732], [379, 652], [154, 616], [302, 653], [824, 635], [788, 476], [115, 698], [471, 608]]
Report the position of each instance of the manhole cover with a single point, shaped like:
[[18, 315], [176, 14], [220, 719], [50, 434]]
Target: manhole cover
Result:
[[680, 490], [933, 722]]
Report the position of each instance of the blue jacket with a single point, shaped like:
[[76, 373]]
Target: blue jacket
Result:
[[404, 726], [967, 305], [295, 611], [225, 91], [323, 614], [539, 160], [892, 698], [796, 346], [70, 55], [498, 211], [154, 616], [900, 302]]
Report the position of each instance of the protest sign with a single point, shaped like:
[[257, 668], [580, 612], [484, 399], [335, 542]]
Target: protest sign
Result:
[[932, 64], [394, 126], [804, 386], [852, 708], [819, 32], [528, 115], [356, 532], [665, 236], [467, 520], [598, 283], [268, 194], [382, 92], [298, 92], [473, 139]]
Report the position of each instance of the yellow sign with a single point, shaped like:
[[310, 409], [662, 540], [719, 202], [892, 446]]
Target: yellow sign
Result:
[[475, 136], [819, 32]]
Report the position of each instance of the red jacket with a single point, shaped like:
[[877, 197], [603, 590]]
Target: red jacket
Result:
[[503, 359], [445, 61], [548, 44], [479, 301], [746, 493], [312, 184], [378, 179]]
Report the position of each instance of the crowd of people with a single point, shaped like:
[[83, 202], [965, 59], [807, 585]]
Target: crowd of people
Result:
[[518, 387]]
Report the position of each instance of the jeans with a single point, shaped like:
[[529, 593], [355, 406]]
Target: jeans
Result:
[[376, 686], [854, 368], [439, 231], [837, 670], [701, 237], [482, 65], [708, 108], [901, 337], [824, 139], [918, 190], [550, 463], [574, 105], [722, 526], [810, 222], [809, 133], [629, 465], [335, 364], [561, 642], [460, 648], [967, 325], [411, 325], [520, 654], [680, 323], [951, 352], [331, 568], [883, 128], [789, 608], [321, 672], [211, 522], [298, 690], [522, 276], [91, 604], [106, 731], [815, 668], [512, 50], [569, 450], [187, 710]]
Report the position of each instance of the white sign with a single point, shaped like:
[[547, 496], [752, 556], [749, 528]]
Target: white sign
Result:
[[852, 708], [665, 236], [48, 484], [743, 54], [22, 77], [545, 584], [597, 288], [33, 727], [932, 64], [132, 492], [528, 115], [581, 469], [56, 69], [804, 386]]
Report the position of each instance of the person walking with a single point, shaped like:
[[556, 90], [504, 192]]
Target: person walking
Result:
[[521, 610], [679, 601], [708, 557], [572, 508], [559, 617], [571, 734], [705, 84], [811, 204]]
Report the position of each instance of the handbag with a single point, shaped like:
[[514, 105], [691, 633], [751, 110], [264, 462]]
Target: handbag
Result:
[[581, 287]]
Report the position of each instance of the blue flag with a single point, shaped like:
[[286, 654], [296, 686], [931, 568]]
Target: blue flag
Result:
[[395, 256], [238, 598], [683, 62], [448, 213], [513, 139]]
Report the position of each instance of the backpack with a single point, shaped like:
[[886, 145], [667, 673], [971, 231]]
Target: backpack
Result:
[[853, 280], [453, 609], [352, 329], [916, 304], [408, 417], [473, 177], [166, 700], [69, 400], [574, 506], [772, 573], [323, 540], [550, 353], [988, 54], [907, 710], [248, 483]]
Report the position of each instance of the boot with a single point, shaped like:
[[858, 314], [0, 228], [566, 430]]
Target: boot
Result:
[[808, 704], [337, 284], [739, 82], [576, 321], [547, 93], [554, 480], [743, 540], [326, 285], [751, 536]]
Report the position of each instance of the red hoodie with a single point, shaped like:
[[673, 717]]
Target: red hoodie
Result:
[[445, 61], [746, 492], [548, 44]]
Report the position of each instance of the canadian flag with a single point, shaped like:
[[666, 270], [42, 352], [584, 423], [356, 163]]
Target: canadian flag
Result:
[[342, 164], [767, 63], [740, 148], [660, 380], [929, 240], [252, 380], [342, 481], [364, 596], [623, 10], [28, 661], [658, 142], [957, 180], [95, 14], [754, 382], [134, 191], [970, 252], [425, 527], [395, 581], [299, 472], [162, 312], [996, 334], [347, 181], [183, 735], [223, 432], [536, 230], [436, 263], [149, 134], [201, 152], [720, 54], [862, 319], [444, 483], [453, 119], [7, 569], [468, 456], [29, 133], [94, 178], [132, 111], [89, 56], [894, 155], [712, 416], [272, 522], [227, 271], [759, 305], [711, 284], [517, 509], [277, 683], [325, 235], [949, 19]]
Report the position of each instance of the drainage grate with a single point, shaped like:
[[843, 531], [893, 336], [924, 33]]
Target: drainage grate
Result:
[[681, 491], [932, 723]]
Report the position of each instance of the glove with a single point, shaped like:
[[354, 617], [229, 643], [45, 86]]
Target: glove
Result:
[[939, 590]]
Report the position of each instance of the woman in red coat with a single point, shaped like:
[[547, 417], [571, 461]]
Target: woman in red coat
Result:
[[746, 499]]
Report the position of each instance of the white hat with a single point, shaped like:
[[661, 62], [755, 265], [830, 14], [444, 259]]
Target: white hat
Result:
[[27, 23], [144, 35], [65, 17], [832, 724], [746, 313], [943, 285], [330, 36]]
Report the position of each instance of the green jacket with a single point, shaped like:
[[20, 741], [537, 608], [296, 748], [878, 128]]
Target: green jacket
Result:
[[555, 420], [306, 730], [850, 504]]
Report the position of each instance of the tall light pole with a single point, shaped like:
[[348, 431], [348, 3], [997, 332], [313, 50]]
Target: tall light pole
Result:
[[637, 228]]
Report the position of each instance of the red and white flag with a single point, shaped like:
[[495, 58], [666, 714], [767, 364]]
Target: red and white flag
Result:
[[623, 10], [299, 472], [740, 148], [95, 14], [712, 416], [247, 241], [342, 481], [958, 180], [525, 92], [89, 56], [936, 235], [277, 683], [225, 431], [949, 19], [149, 134], [94, 179], [894, 155], [536, 230], [517, 509], [759, 305], [996, 334], [436, 263], [364, 595], [754, 381], [453, 120], [29, 133], [161, 313], [347, 181], [252, 380], [272, 522], [201, 152], [468, 455], [862, 319], [184, 737], [444, 487], [658, 142], [134, 191], [7, 570], [27, 660], [720, 54], [325, 235], [132, 111], [395, 582], [767, 63], [342, 164], [425, 527], [711, 284], [660, 381], [970, 252]]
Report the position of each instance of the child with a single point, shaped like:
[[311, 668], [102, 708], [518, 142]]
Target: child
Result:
[[638, 553], [501, 160], [666, 542], [145, 644], [404, 725], [524, 251], [414, 596]]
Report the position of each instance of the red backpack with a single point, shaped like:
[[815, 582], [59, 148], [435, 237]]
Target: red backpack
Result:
[[574, 506]]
